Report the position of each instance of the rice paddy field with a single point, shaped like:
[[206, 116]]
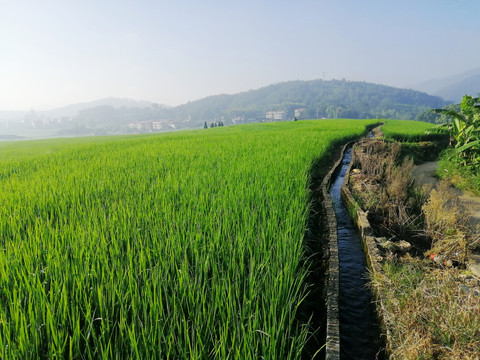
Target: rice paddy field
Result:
[[408, 130], [170, 246]]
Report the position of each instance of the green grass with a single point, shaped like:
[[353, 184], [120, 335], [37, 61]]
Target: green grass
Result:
[[450, 167], [172, 246]]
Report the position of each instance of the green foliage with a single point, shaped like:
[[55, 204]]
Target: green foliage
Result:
[[421, 151], [438, 117], [464, 127], [451, 167], [178, 246]]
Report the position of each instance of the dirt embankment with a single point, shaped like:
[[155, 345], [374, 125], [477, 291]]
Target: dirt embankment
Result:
[[422, 251]]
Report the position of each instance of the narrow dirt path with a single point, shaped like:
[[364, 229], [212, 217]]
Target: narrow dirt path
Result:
[[469, 205]]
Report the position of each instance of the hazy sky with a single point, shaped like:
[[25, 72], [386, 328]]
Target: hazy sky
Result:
[[58, 52]]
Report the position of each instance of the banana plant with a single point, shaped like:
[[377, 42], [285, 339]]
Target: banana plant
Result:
[[465, 128]]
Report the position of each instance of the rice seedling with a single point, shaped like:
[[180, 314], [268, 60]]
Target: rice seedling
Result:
[[410, 131], [177, 246]]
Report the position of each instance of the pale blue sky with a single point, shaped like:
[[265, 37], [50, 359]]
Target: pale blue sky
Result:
[[58, 52]]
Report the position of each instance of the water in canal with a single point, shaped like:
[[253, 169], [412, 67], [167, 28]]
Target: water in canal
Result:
[[359, 331]]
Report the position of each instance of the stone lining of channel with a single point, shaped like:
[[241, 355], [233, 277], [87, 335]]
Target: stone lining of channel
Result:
[[332, 279], [372, 255]]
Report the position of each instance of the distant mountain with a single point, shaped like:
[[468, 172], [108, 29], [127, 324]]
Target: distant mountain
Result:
[[453, 88], [74, 109], [311, 99]]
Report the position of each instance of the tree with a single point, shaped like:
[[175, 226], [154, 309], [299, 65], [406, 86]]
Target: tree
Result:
[[205, 126], [428, 116]]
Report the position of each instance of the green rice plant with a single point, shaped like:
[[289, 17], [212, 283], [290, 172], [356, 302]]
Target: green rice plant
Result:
[[409, 131], [174, 246], [419, 140]]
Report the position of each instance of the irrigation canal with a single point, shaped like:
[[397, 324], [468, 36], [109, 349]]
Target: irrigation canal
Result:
[[359, 330]]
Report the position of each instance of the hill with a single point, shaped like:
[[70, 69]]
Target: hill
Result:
[[453, 87], [117, 103], [98, 117], [74, 109], [311, 99]]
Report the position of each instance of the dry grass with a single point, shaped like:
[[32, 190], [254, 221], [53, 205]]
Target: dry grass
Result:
[[431, 309], [441, 211], [432, 313], [381, 184], [445, 225]]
